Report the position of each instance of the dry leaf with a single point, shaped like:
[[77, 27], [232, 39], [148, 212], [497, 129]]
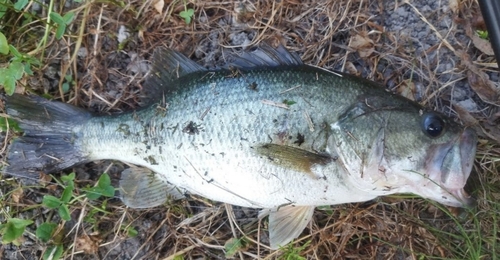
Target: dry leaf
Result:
[[243, 12], [51, 187], [140, 33], [351, 69], [17, 194], [411, 90], [86, 244], [457, 212], [465, 116], [44, 178], [490, 128], [482, 45], [362, 44], [479, 81], [453, 4], [490, 131], [483, 86], [478, 22], [159, 6]]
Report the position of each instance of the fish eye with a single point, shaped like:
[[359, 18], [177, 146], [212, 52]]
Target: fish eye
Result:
[[432, 124]]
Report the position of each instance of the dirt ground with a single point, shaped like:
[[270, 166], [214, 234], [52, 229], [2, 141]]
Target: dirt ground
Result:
[[426, 50]]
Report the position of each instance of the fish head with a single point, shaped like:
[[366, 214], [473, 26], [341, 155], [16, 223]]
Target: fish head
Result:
[[392, 145]]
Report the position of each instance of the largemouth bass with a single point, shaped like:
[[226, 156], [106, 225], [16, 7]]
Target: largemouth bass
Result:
[[265, 132]]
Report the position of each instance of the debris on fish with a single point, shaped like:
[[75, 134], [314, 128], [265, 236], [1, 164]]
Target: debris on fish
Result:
[[267, 131]]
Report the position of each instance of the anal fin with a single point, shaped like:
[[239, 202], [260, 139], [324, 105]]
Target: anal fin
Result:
[[140, 188], [287, 223]]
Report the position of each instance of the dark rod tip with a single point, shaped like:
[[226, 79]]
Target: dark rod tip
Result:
[[491, 14]]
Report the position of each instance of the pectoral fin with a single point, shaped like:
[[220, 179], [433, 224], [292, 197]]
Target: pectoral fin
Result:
[[292, 157], [140, 188], [287, 223]]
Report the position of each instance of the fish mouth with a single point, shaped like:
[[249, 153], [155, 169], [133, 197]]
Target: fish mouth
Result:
[[465, 200], [450, 166]]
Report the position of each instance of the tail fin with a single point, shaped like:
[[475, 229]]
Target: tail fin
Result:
[[48, 143]]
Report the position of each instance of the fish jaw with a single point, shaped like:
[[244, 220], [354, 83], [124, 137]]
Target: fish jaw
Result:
[[449, 166]]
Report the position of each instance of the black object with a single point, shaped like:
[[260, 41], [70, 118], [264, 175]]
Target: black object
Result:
[[491, 14]]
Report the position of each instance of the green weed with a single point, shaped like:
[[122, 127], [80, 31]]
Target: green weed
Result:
[[8, 123], [187, 14], [13, 230], [21, 63], [235, 245], [61, 22], [50, 232], [482, 34], [292, 252]]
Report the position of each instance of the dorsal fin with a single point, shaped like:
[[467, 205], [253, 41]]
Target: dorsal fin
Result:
[[167, 66], [265, 56]]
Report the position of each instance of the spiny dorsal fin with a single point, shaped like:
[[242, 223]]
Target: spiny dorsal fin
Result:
[[287, 223], [167, 66], [139, 188], [265, 56], [292, 157], [170, 65]]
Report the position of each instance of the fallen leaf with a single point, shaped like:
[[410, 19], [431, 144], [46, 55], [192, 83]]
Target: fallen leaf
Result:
[[17, 194], [484, 128], [51, 187], [243, 12], [490, 128], [479, 81], [453, 4], [362, 44], [159, 6], [411, 90], [483, 86], [44, 178], [490, 131], [140, 33], [478, 22], [351, 69], [482, 45], [465, 116], [86, 244]]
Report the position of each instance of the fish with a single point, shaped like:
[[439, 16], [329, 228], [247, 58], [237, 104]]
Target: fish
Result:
[[265, 131]]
